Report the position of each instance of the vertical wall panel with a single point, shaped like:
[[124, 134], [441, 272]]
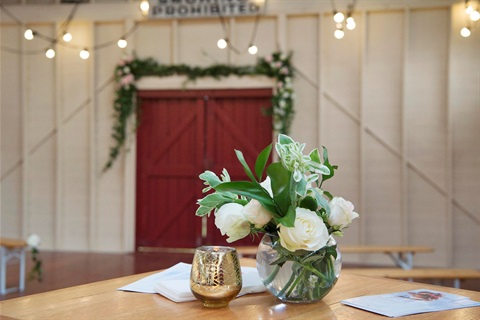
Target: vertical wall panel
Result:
[[382, 78], [426, 115], [339, 121], [151, 39], [109, 209], [305, 60], [74, 195], [10, 134], [464, 102], [197, 42]]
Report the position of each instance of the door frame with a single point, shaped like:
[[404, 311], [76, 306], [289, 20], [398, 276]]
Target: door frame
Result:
[[129, 163]]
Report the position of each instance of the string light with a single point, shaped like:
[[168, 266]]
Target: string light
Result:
[[67, 36], [339, 34], [350, 23], [340, 20], [475, 15], [252, 49], [84, 54], [472, 15], [29, 35], [465, 32], [122, 43], [50, 53], [144, 7], [338, 17], [222, 43]]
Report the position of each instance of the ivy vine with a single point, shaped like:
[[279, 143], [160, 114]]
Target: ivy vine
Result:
[[130, 69]]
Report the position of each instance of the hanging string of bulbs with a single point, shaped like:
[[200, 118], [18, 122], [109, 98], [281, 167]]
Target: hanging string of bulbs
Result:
[[341, 20], [226, 43], [472, 15], [63, 36]]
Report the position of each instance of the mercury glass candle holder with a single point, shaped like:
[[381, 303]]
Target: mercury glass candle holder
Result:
[[216, 277]]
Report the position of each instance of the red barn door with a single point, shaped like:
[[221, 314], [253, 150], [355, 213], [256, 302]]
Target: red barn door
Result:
[[182, 134]]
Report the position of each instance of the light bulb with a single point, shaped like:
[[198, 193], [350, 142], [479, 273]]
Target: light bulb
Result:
[[339, 34], [84, 54], [338, 17], [253, 49], [468, 9], [67, 37], [222, 43], [475, 15], [351, 23], [50, 53], [465, 32], [28, 34], [122, 43], [144, 6]]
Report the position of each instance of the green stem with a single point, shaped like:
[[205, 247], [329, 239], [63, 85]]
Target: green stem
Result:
[[292, 277], [295, 283], [316, 272], [272, 275]]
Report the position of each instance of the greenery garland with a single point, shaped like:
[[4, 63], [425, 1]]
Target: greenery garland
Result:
[[131, 69]]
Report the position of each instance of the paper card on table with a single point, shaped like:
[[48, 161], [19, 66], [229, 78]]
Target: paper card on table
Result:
[[174, 283], [147, 284], [410, 302]]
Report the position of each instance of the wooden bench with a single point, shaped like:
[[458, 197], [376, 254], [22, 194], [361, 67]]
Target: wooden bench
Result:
[[418, 273], [12, 249], [401, 255]]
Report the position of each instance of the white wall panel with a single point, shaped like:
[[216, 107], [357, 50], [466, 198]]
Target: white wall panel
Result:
[[305, 59], [74, 197], [153, 39], [10, 100], [41, 206], [197, 42], [384, 76], [108, 218]]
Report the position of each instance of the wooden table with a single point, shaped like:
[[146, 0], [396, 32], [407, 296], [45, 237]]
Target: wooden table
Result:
[[101, 300]]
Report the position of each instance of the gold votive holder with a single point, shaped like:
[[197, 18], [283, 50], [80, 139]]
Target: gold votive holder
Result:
[[216, 277]]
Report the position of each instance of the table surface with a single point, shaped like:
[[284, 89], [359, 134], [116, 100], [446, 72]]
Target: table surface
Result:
[[102, 300]]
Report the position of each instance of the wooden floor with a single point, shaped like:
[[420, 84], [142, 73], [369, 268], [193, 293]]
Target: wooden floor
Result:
[[66, 269]]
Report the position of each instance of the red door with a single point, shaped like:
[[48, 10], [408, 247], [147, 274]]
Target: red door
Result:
[[182, 134]]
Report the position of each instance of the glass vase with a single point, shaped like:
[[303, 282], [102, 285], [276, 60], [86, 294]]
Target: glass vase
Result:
[[300, 276]]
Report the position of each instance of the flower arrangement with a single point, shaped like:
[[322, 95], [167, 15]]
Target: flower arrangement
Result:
[[291, 207], [130, 69]]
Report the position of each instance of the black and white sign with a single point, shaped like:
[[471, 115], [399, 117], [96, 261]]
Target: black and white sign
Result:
[[161, 9]]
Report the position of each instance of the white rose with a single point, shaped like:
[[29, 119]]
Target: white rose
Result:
[[231, 221], [308, 233], [256, 214], [267, 185], [33, 241], [341, 213]]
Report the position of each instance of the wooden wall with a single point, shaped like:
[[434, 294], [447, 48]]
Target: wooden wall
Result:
[[396, 102]]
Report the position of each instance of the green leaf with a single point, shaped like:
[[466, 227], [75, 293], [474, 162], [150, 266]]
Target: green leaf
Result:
[[280, 180], [251, 190], [246, 168], [308, 203], [210, 178], [201, 211], [214, 200], [322, 201], [262, 161], [301, 187], [284, 139], [289, 219], [328, 165]]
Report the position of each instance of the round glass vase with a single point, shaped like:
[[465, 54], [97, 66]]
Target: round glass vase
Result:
[[300, 276]]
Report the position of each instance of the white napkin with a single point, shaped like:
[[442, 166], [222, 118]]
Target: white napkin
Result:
[[174, 283]]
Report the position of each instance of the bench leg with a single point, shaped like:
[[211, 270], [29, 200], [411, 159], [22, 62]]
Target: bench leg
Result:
[[21, 285], [404, 261], [3, 271]]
